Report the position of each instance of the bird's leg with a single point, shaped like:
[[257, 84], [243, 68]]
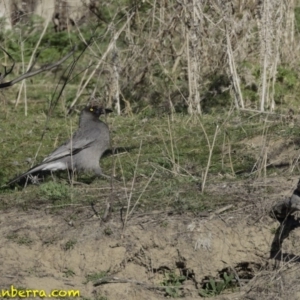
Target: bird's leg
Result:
[[105, 176], [72, 175], [53, 178], [99, 173]]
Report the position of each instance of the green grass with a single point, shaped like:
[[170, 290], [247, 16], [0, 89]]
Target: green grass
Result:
[[173, 282], [20, 240], [70, 244], [161, 158], [95, 276], [174, 148]]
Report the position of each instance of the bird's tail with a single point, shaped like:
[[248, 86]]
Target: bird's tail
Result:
[[33, 171]]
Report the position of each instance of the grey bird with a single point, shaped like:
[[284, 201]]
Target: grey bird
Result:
[[83, 151]]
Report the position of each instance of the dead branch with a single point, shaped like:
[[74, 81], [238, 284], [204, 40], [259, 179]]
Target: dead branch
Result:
[[107, 280], [5, 70], [31, 73]]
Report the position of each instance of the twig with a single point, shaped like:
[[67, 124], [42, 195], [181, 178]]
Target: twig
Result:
[[211, 148], [42, 69], [109, 48], [11, 68], [221, 280], [31, 64], [141, 194], [221, 210], [132, 185], [106, 280]]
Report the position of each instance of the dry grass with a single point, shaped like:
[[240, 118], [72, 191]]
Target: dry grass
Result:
[[189, 81]]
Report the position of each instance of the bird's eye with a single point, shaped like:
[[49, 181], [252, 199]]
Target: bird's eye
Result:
[[91, 109]]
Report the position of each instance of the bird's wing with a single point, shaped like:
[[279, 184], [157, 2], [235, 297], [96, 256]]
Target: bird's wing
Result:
[[51, 162], [68, 149]]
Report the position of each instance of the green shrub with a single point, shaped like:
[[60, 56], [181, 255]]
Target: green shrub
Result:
[[55, 191]]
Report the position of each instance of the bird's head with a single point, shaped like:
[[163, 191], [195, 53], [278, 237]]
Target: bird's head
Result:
[[97, 110]]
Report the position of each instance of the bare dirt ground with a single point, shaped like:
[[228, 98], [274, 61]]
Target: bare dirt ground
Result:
[[44, 250]]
